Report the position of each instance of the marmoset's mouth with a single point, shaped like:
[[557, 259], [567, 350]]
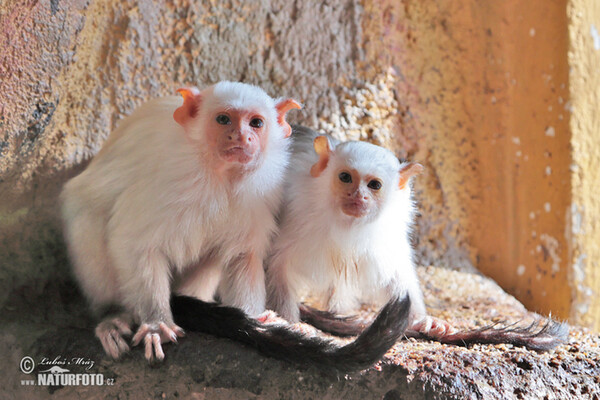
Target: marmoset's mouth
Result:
[[237, 154], [355, 208]]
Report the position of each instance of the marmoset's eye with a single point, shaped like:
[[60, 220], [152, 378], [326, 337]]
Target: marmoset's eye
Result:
[[257, 123], [223, 119], [374, 184], [345, 177]]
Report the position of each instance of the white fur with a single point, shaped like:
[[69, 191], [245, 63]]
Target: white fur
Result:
[[337, 257], [148, 207]]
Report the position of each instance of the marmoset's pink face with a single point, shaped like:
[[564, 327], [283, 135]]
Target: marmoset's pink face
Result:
[[235, 132], [238, 136], [357, 195]]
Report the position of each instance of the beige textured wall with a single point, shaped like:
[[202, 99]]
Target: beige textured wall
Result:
[[477, 91], [71, 70], [584, 224]]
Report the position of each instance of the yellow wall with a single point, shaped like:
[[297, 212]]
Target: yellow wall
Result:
[[523, 141], [486, 101], [584, 217]]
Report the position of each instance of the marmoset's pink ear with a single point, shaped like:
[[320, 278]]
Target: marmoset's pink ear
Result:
[[282, 108], [408, 171], [191, 105], [323, 149]]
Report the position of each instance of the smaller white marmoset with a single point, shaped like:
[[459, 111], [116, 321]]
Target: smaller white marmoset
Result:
[[345, 236]]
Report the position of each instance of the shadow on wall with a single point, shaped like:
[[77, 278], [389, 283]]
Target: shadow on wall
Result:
[[35, 274]]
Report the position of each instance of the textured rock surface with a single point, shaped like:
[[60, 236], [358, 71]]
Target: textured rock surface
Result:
[[204, 367]]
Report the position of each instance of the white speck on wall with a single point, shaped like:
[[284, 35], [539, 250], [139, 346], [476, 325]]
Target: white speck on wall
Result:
[[532, 215], [568, 106], [560, 117], [533, 234], [582, 308], [560, 99], [583, 304], [532, 32], [521, 270], [576, 219], [579, 268], [595, 36], [493, 100], [516, 140], [538, 277], [518, 153], [547, 77], [548, 170], [553, 248], [574, 167], [549, 108], [550, 131], [547, 207]]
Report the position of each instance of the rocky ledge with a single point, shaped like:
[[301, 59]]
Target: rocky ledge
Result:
[[58, 332]]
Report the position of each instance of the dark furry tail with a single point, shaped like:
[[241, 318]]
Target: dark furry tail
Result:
[[332, 323], [536, 336], [279, 341]]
